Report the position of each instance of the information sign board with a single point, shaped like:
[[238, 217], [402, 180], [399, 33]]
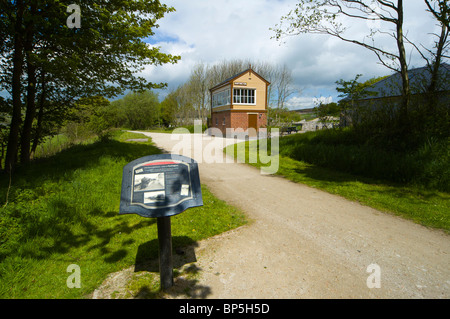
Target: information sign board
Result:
[[160, 186]]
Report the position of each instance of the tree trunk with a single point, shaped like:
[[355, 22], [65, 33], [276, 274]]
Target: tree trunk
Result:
[[436, 118], [40, 117], [437, 62], [403, 114], [31, 91], [16, 120]]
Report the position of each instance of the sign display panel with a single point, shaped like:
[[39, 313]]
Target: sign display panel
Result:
[[160, 185]]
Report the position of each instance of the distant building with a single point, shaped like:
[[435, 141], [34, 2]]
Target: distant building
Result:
[[419, 80], [387, 93], [240, 102]]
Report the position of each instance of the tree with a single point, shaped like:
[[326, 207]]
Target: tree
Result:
[[283, 85], [169, 109], [100, 58], [14, 14], [353, 90], [433, 114], [141, 109], [3, 127], [185, 109], [91, 115], [441, 12], [327, 109], [325, 17], [434, 56], [197, 86]]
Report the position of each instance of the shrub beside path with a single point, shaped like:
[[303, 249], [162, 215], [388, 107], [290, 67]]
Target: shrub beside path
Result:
[[305, 243]]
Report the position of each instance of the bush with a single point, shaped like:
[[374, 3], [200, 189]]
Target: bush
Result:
[[345, 151], [433, 158]]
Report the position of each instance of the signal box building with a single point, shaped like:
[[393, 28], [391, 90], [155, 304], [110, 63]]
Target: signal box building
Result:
[[240, 102]]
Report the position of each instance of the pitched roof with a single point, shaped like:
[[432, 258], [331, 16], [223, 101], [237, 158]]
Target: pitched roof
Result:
[[230, 79], [419, 79]]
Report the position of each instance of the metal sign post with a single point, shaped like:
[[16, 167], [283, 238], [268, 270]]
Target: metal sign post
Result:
[[165, 252], [160, 186]]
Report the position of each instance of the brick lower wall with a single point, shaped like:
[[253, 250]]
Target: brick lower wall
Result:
[[262, 121], [239, 120], [228, 119], [218, 119]]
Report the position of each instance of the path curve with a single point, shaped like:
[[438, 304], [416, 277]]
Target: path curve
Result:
[[306, 243]]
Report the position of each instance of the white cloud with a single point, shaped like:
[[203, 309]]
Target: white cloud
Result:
[[306, 102], [299, 102], [212, 31]]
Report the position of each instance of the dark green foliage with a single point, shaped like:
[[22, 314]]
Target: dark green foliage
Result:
[[384, 142], [138, 111], [169, 107], [426, 164], [329, 109], [46, 62]]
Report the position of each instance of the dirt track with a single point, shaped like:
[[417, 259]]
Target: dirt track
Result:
[[305, 243]]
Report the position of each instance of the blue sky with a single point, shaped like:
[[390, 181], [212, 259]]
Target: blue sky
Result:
[[211, 31]]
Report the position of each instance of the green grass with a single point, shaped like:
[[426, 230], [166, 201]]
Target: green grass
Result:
[[158, 130], [63, 210], [422, 205], [55, 144], [424, 162], [188, 129]]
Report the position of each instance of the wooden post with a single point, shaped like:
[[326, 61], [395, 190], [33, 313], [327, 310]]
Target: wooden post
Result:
[[165, 252]]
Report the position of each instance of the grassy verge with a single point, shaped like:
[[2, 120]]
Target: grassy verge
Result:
[[189, 128], [424, 162], [63, 210], [427, 207]]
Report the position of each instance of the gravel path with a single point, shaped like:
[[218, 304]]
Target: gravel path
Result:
[[306, 243]]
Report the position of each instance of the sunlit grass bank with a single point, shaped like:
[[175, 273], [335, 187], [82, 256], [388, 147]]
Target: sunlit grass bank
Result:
[[63, 210]]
